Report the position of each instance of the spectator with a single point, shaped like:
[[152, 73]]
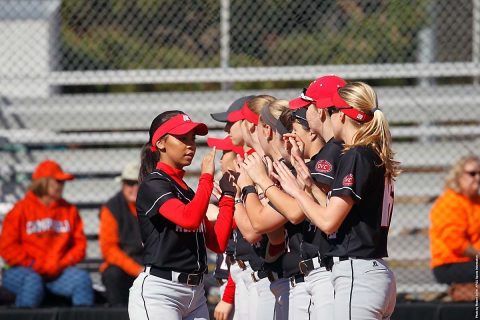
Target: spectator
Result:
[[42, 241], [455, 224], [120, 239]]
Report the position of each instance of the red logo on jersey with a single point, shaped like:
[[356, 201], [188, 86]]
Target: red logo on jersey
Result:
[[323, 166], [348, 181]]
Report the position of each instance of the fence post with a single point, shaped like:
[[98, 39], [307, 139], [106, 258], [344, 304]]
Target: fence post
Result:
[[476, 37], [225, 38]]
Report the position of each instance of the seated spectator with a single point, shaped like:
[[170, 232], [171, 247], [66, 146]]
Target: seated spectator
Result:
[[120, 239], [455, 225], [41, 242]]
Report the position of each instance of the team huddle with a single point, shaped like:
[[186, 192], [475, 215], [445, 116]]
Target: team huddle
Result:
[[304, 206]]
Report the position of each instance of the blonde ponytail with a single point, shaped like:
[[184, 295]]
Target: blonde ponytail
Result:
[[374, 133]]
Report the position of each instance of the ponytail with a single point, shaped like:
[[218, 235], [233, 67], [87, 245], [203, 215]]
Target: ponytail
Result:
[[148, 161], [374, 133]]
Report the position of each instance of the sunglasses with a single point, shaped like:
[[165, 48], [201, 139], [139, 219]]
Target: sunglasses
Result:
[[304, 96], [130, 183], [332, 110], [473, 173]]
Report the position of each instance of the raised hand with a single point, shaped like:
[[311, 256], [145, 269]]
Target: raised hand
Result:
[[208, 162], [286, 179], [294, 145], [243, 178], [227, 184], [304, 178], [255, 168]]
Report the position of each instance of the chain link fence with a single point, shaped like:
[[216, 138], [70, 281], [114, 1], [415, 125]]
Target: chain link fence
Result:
[[80, 81]]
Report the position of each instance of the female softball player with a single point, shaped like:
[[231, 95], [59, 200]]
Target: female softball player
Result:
[[359, 209], [175, 231], [319, 172], [245, 257]]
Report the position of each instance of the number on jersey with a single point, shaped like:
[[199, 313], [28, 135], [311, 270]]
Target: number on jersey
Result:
[[388, 195]]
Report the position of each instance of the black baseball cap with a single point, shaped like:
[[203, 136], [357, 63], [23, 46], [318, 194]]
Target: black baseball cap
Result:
[[236, 105], [301, 116]]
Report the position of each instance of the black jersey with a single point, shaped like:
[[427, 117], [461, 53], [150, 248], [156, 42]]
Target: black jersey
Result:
[[323, 167], [167, 245], [253, 253], [364, 231]]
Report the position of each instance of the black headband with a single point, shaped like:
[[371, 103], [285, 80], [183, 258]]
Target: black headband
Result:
[[273, 122]]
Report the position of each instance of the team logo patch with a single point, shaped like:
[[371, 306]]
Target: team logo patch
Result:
[[348, 181], [323, 166]]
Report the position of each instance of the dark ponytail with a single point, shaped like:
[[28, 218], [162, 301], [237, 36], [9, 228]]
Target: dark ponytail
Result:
[[149, 158]]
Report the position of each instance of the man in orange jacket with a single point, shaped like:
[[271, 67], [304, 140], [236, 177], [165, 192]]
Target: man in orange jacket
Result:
[[42, 240], [120, 239]]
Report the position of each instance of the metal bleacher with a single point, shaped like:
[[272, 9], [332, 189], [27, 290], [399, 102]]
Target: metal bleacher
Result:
[[95, 135]]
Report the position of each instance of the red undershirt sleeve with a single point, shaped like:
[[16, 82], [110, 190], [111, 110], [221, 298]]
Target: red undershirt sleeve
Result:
[[189, 216], [218, 233], [229, 293]]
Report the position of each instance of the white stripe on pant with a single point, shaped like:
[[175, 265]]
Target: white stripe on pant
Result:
[[153, 298], [364, 289]]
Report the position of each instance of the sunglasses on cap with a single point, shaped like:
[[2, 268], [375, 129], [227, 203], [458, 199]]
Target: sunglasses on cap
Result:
[[332, 110], [473, 173], [304, 96]]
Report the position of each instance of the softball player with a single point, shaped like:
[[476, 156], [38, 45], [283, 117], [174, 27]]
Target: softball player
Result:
[[358, 213], [311, 107], [175, 231], [253, 299]]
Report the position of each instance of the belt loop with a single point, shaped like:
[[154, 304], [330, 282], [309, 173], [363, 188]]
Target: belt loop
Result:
[[147, 269]]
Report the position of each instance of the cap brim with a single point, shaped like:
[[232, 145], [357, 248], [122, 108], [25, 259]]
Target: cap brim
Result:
[[298, 103], [224, 144], [235, 116], [63, 176], [200, 128], [219, 116]]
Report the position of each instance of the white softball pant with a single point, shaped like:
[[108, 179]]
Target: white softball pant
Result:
[[154, 298], [319, 288], [364, 289]]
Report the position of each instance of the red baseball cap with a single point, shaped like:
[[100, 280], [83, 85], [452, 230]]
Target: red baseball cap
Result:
[[323, 92], [243, 114], [225, 144], [178, 125], [51, 169]]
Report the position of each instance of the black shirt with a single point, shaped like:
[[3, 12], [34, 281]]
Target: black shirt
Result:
[[323, 167], [364, 231], [167, 245]]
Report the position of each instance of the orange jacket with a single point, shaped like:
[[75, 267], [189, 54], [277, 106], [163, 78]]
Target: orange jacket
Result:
[[454, 225], [46, 238], [109, 244]]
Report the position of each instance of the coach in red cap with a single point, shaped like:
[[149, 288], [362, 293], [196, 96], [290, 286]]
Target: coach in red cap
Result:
[[42, 241]]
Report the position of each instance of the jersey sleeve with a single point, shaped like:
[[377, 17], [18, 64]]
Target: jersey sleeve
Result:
[[352, 177], [322, 167], [154, 193]]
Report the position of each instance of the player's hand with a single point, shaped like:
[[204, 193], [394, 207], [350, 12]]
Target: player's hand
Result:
[[286, 179], [294, 145], [208, 162], [304, 178], [243, 177], [227, 184], [256, 168], [222, 310]]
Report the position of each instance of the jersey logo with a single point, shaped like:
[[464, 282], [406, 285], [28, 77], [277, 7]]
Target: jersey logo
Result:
[[323, 166], [348, 181]]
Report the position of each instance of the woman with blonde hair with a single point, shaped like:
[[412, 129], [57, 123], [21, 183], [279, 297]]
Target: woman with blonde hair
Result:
[[455, 226], [357, 216]]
